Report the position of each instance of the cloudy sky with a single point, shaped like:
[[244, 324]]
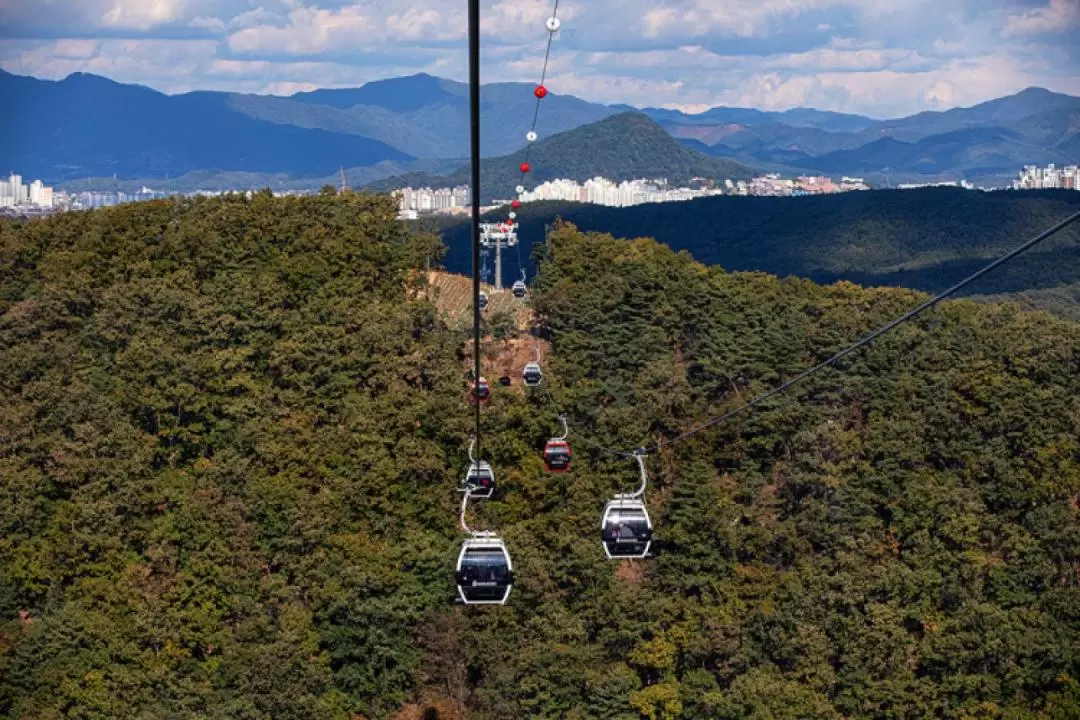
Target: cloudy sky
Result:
[[881, 58]]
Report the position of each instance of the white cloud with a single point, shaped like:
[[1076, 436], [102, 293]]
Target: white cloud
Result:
[[253, 18], [696, 18], [888, 93], [310, 31], [1057, 16], [142, 14], [74, 49], [878, 57], [422, 24], [207, 23]]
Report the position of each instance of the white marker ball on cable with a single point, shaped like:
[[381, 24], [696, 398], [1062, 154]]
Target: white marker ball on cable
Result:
[[513, 216], [553, 24], [519, 189], [530, 136]]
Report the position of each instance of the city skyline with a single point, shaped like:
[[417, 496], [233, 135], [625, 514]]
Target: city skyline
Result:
[[872, 57], [15, 193], [1049, 177]]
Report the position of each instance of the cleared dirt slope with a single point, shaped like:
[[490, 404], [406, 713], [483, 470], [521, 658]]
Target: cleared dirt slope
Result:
[[452, 295]]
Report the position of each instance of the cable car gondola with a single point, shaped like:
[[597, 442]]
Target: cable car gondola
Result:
[[479, 391], [532, 375], [557, 456], [557, 451], [518, 289], [626, 529], [484, 573], [479, 479]]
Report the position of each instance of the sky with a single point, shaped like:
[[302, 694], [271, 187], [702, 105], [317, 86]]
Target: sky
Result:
[[882, 58]]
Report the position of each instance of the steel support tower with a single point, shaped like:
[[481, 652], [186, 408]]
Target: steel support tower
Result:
[[498, 236]]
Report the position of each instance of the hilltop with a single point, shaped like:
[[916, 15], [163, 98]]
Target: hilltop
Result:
[[622, 147], [231, 433]]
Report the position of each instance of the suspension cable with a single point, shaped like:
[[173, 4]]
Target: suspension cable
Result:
[[865, 340], [474, 112], [543, 75], [574, 433], [871, 336], [552, 25]]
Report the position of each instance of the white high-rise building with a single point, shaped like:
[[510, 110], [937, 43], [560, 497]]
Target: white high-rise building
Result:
[[41, 195], [1036, 178], [15, 188]]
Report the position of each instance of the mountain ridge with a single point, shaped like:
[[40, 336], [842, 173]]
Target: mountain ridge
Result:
[[97, 127], [626, 146]]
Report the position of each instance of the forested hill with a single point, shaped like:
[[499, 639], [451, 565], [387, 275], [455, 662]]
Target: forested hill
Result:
[[925, 239], [626, 146], [230, 441]]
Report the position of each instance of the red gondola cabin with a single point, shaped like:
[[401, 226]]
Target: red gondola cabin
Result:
[[479, 392], [557, 456]]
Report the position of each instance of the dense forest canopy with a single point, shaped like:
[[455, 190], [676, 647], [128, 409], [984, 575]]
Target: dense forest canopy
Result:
[[231, 430], [926, 239]]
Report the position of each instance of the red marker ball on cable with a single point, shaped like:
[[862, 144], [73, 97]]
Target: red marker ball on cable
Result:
[[525, 167], [540, 91], [515, 204]]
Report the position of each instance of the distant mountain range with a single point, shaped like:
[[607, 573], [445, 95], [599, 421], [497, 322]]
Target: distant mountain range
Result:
[[86, 126], [986, 143]]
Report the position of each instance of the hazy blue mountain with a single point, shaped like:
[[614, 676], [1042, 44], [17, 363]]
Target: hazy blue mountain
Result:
[[750, 117], [398, 95], [988, 142], [86, 125], [1014, 112], [622, 147], [980, 152], [428, 116], [369, 121]]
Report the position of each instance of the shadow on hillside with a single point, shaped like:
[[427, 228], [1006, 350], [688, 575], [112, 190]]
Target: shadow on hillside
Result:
[[1033, 271]]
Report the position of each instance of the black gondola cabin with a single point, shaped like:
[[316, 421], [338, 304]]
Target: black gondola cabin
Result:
[[625, 530], [532, 375], [479, 480], [484, 574]]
